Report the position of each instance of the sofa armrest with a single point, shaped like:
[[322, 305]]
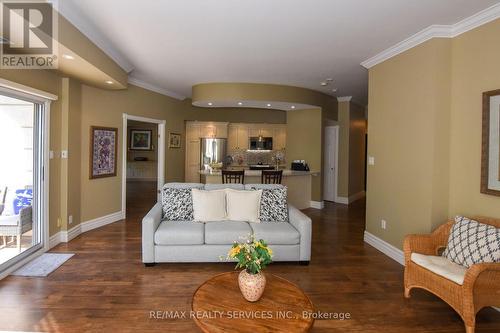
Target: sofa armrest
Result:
[[303, 224], [150, 223]]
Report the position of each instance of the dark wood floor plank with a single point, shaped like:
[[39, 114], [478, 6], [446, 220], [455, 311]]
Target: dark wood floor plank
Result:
[[105, 287]]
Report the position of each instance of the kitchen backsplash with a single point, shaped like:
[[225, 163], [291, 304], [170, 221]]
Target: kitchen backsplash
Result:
[[244, 157]]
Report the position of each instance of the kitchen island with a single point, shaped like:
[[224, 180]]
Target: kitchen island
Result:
[[298, 183]]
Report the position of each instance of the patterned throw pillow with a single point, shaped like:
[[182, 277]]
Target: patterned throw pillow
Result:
[[177, 204], [273, 204], [471, 242]]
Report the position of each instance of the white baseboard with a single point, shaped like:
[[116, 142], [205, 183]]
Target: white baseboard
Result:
[[317, 204], [384, 247], [350, 199], [66, 236]]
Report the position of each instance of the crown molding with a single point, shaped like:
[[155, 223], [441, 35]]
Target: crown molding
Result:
[[67, 10], [344, 99], [436, 31], [159, 90]]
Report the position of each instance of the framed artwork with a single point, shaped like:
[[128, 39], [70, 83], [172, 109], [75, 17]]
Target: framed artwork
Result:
[[141, 139], [174, 140], [103, 152], [490, 163]]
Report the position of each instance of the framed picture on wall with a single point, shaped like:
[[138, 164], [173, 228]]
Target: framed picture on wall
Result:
[[103, 152], [490, 164], [140, 139], [174, 140]]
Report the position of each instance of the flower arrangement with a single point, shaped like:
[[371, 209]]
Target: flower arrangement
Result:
[[251, 254]]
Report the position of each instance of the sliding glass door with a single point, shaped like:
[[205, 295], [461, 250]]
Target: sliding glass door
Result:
[[21, 177]]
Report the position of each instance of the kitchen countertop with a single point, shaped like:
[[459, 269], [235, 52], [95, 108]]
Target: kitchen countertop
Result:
[[286, 173]]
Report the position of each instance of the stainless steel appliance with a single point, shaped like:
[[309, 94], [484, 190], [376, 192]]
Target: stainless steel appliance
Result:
[[213, 153], [261, 143]]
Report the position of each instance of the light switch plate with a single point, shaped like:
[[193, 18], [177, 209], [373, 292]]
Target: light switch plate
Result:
[[64, 154], [51, 154], [371, 160]]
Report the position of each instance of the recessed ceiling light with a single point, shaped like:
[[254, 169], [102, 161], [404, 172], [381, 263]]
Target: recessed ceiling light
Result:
[[323, 83], [210, 104], [329, 79], [239, 103], [68, 56], [109, 82], [334, 90], [268, 105], [292, 107]]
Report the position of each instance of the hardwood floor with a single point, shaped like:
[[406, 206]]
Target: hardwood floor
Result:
[[105, 287]]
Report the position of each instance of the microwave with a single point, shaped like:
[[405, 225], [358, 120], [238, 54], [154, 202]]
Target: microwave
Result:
[[261, 143]]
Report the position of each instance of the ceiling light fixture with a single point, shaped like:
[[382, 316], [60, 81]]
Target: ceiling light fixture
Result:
[[324, 83], [239, 103], [329, 79], [210, 104], [292, 107], [109, 82], [67, 56], [268, 105], [334, 90]]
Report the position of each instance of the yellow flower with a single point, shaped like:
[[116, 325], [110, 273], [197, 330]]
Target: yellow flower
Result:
[[270, 251], [234, 251]]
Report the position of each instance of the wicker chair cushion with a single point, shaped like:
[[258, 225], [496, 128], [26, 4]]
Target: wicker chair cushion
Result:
[[471, 242], [440, 266]]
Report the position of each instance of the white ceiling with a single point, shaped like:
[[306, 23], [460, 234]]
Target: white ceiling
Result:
[[173, 44]]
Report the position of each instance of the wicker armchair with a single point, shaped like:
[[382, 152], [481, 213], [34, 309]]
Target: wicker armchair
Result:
[[17, 225], [481, 285]]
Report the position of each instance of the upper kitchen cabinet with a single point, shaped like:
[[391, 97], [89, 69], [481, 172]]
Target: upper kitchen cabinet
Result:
[[199, 129], [279, 137], [264, 130], [238, 137]]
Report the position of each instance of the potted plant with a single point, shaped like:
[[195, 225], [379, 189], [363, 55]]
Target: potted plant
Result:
[[252, 255]]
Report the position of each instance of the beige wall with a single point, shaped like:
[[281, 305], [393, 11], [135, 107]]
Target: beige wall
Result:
[[425, 133], [476, 69], [356, 159], [304, 142]]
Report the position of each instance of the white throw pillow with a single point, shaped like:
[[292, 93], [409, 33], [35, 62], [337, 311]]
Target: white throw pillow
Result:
[[243, 205], [209, 206]]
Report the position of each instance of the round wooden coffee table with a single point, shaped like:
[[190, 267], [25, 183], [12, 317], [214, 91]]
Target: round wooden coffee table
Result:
[[218, 306]]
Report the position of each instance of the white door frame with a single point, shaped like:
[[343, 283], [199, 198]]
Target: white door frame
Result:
[[161, 155], [336, 173]]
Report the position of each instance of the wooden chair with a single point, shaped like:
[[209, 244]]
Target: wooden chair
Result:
[[481, 285], [271, 177], [233, 177]]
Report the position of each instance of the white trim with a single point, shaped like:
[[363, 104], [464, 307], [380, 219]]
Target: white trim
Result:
[[342, 200], [66, 236], [436, 31], [344, 99], [317, 204], [75, 17], [31, 92], [384, 247], [152, 87], [161, 155]]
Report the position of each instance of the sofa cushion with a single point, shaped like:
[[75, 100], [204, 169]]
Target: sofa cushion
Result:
[[209, 206], [273, 203], [226, 232], [179, 233], [243, 205], [177, 202], [441, 266], [276, 233], [471, 242], [210, 187]]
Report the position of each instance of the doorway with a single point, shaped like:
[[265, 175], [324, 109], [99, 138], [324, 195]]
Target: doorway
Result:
[[23, 177], [143, 163], [331, 163]]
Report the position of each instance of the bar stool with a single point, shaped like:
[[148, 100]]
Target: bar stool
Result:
[[271, 176], [233, 177]]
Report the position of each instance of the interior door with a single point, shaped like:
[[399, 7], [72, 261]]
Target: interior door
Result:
[[330, 161]]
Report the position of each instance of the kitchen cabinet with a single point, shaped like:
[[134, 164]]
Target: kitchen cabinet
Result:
[[279, 138], [237, 137]]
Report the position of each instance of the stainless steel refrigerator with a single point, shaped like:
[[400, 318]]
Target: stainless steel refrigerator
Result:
[[212, 151]]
